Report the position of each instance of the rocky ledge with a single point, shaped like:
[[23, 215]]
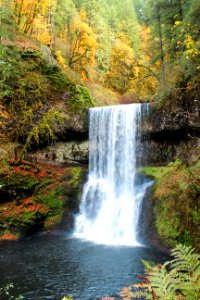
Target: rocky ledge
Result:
[[172, 134]]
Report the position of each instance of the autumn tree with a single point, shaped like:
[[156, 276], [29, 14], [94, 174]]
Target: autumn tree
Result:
[[82, 46], [34, 16], [121, 66]]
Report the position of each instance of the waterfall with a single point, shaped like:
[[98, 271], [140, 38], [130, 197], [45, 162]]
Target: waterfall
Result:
[[111, 199]]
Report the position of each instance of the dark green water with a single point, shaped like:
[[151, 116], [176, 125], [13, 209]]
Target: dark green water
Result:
[[49, 267]]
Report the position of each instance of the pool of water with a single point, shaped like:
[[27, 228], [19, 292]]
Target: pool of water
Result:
[[50, 267]]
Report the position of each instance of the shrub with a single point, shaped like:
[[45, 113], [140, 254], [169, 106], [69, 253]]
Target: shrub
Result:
[[80, 96]]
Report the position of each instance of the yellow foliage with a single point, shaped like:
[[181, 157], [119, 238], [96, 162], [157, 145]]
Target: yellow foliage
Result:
[[32, 17], [4, 116], [82, 44], [121, 66], [191, 47], [122, 53], [83, 15], [60, 59], [178, 23]]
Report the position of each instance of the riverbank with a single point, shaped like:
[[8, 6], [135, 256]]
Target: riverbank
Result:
[[35, 197]]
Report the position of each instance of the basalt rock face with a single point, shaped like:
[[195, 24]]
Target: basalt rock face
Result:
[[71, 146], [169, 135], [166, 135], [69, 152]]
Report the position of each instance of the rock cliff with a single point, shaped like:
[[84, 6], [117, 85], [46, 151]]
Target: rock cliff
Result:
[[172, 134]]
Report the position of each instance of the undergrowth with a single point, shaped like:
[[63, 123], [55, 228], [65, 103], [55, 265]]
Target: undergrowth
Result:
[[176, 202], [37, 98]]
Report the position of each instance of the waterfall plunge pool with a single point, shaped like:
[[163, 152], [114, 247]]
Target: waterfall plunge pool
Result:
[[52, 266]]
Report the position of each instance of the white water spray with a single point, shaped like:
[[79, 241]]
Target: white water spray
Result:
[[111, 200]]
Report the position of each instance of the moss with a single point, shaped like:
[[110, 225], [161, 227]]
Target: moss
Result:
[[18, 186], [52, 200], [76, 176], [73, 182], [59, 80], [80, 96], [176, 202]]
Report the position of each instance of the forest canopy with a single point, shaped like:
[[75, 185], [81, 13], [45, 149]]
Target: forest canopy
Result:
[[143, 47]]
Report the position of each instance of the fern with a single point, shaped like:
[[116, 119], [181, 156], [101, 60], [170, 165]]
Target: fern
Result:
[[178, 279], [187, 265]]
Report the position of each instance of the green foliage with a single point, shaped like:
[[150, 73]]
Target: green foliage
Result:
[[177, 279], [5, 292], [80, 96], [176, 205], [10, 69], [56, 76], [176, 44], [195, 216], [22, 220], [17, 185], [28, 54], [176, 163], [52, 200], [76, 176], [7, 22], [34, 212]]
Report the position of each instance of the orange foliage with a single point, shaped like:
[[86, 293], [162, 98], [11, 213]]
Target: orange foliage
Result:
[[34, 17], [8, 237]]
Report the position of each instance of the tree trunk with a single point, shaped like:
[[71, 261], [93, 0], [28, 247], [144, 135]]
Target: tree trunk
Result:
[[180, 9], [161, 44]]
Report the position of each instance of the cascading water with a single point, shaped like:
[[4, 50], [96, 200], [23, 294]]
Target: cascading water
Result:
[[111, 199]]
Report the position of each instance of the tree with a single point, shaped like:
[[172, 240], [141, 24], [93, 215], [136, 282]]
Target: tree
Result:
[[64, 14], [26, 12], [7, 23], [154, 9], [121, 66], [82, 46]]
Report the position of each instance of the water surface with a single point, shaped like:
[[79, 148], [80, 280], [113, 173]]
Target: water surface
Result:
[[49, 267]]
